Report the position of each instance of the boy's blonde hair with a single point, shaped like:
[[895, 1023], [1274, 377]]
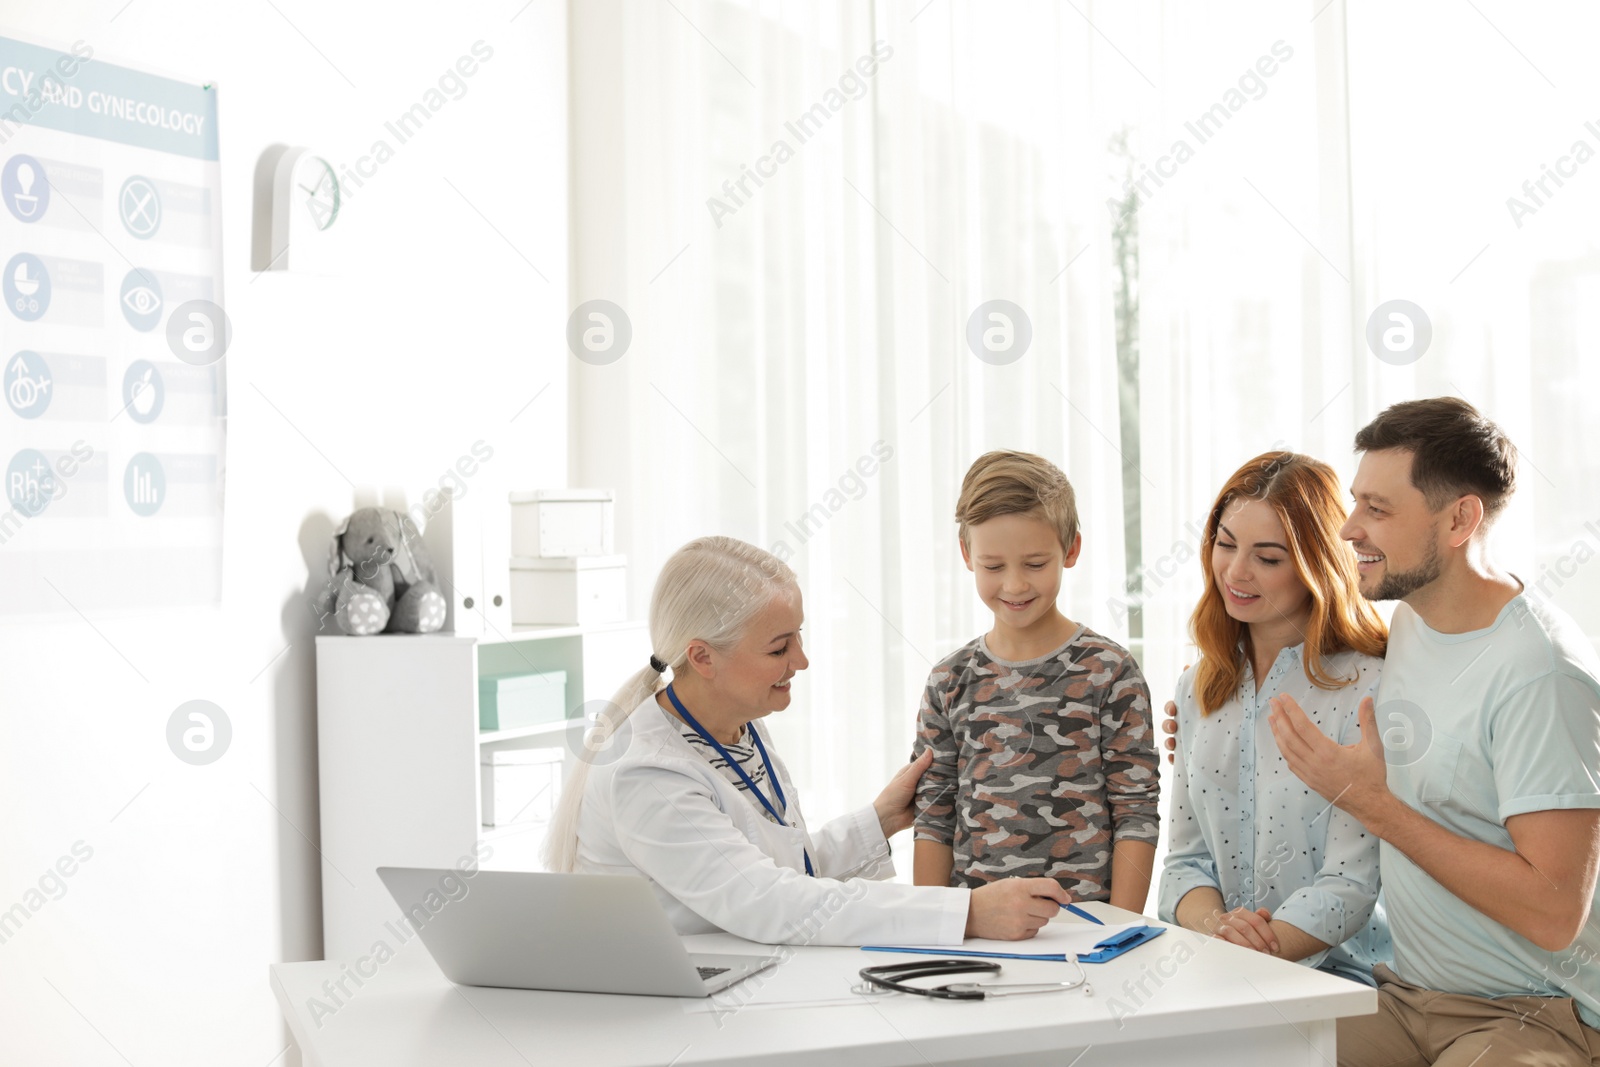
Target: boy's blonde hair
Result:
[[1017, 483]]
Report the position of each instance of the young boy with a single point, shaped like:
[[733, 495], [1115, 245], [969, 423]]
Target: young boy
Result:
[[1044, 758]]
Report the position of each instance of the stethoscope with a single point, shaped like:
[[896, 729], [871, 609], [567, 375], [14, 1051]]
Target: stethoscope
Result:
[[891, 978]]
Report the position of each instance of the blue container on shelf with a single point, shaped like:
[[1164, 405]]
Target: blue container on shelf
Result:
[[512, 700]]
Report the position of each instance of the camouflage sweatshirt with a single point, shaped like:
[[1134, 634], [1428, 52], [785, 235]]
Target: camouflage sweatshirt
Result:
[[1038, 766]]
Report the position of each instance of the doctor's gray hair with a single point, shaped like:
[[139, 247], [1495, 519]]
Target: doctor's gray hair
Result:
[[709, 590]]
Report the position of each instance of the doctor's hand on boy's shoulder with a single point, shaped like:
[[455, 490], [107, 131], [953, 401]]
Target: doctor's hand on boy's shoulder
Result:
[[1014, 909], [894, 805]]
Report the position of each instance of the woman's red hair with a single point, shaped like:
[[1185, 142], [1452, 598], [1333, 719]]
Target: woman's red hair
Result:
[[1304, 492]]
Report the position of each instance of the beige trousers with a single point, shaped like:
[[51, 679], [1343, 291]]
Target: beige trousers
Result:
[[1415, 1027]]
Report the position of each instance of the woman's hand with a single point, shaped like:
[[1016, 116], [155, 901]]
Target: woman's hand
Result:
[[1014, 909], [894, 805], [1251, 928]]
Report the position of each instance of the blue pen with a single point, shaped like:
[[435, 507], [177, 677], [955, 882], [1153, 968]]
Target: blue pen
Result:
[[1080, 913]]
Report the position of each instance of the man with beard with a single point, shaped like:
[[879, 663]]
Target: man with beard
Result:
[[1479, 769]]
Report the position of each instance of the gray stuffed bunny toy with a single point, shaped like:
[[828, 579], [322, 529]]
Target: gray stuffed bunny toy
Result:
[[381, 577]]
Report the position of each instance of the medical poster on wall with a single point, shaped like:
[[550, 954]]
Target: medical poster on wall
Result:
[[112, 335]]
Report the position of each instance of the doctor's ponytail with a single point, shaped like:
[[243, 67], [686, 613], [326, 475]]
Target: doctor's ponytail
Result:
[[708, 590]]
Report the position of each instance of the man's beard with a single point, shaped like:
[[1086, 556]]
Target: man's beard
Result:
[[1397, 585]]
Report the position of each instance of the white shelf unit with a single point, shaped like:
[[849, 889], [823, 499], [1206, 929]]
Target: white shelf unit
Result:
[[398, 749]]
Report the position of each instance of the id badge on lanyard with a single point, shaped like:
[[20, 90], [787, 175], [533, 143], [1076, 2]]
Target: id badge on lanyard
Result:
[[772, 776]]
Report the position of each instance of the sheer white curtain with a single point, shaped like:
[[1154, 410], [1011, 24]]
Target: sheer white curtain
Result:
[[1250, 339], [1335, 193], [1477, 196], [1331, 161], [829, 310]]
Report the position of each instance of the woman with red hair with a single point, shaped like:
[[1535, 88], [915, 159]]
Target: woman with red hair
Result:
[[1254, 857]]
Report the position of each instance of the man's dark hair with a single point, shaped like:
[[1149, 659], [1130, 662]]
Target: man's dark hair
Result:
[[1455, 451]]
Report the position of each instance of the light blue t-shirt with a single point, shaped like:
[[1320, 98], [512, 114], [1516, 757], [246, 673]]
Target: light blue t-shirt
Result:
[[1243, 824], [1479, 727]]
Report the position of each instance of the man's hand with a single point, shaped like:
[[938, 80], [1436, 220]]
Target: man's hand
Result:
[[894, 805], [1351, 777], [1169, 725]]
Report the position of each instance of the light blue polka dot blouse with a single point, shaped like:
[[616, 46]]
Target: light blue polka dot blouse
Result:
[[1243, 823]]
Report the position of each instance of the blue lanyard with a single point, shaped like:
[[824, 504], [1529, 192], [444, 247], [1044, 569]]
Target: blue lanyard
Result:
[[772, 776]]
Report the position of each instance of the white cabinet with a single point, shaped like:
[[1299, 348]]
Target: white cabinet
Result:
[[398, 751]]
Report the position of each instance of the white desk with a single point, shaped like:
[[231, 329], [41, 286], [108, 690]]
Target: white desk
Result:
[[1180, 999]]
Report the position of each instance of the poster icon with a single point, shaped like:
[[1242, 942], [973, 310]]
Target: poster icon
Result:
[[143, 391], [25, 188], [141, 300], [144, 484], [27, 286], [27, 384], [140, 206], [30, 482]]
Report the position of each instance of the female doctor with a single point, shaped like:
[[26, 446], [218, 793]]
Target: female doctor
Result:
[[682, 786]]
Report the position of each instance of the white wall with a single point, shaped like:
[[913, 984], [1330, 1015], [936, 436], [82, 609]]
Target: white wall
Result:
[[435, 334]]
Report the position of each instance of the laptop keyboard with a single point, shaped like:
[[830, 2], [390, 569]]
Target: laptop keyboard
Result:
[[711, 972]]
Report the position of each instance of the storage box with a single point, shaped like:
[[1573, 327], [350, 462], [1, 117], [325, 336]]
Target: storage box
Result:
[[550, 523], [524, 698], [572, 591], [519, 785]]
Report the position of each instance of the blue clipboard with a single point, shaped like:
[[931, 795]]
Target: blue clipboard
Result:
[[1109, 949], [1117, 944]]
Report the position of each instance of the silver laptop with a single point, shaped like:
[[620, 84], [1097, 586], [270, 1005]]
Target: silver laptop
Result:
[[587, 933]]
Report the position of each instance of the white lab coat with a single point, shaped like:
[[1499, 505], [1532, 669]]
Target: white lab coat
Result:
[[716, 862]]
